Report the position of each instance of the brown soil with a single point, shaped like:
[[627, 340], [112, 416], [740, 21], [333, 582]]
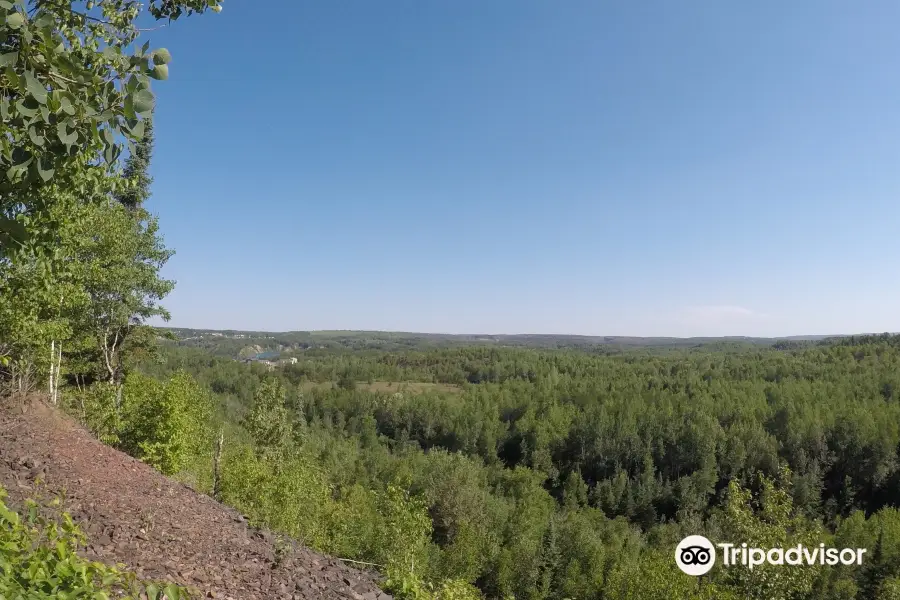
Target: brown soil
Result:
[[157, 527]]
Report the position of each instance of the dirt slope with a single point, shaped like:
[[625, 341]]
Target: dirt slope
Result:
[[158, 527]]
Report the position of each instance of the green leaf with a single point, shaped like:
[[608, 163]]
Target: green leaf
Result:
[[109, 154], [66, 105], [12, 76], [152, 592], [15, 20], [26, 110], [37, 89], [36, 138], [13, 229], [8, 59], [128, 107], [45, 20], [161, 56], [138, 130], [159, 72], [62, 130], [45, 171], [131, 85], [142, 81], [143, 101], [172, 592]]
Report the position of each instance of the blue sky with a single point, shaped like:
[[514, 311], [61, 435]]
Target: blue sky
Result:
[[587, 167]]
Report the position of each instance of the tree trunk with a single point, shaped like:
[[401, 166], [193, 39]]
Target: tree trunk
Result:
[[217, 464], [109, 356], [52, 365], [58, 371], [119, 387]]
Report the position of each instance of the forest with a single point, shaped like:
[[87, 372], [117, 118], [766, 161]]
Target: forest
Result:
[[496, 467], [571, 474]]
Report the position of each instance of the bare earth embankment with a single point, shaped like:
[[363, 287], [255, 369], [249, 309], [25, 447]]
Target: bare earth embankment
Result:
[[158, 527]]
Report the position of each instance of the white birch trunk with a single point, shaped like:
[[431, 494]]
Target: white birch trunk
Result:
[[52, 365], [57, 374]]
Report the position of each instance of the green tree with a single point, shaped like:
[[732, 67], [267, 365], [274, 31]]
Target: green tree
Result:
[[137, 171], [116, 255], [769, 521], [268, 420], [165, 425], [72, 80]]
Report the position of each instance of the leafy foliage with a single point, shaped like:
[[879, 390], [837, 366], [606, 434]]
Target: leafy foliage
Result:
[[268, 422], [165, 425], [73, 82], [38, 559]]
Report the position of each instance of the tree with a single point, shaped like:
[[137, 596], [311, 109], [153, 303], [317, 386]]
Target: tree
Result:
[[775, 523], [73, 81], [90, 297], [165, 425], [117, 255], [268, 421], [40, 293], [137, 171], [346, 381]]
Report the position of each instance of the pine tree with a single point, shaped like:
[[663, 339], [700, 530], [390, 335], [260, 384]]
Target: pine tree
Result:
[[877, 570], [137, 171], [268, 420], [548, 560]]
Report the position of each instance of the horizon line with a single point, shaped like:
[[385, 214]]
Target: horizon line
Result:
[[571, 335]]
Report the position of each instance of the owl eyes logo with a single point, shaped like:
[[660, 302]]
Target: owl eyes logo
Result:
[[695, 555]]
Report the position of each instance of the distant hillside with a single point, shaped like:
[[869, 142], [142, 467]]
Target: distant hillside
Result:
[[232, 342]]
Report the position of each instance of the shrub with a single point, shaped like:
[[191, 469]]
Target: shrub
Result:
[[38, 560], [165, 425], [290, 496], [95, 406]]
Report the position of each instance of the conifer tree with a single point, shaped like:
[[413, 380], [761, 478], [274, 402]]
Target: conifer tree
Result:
[[137, 171]]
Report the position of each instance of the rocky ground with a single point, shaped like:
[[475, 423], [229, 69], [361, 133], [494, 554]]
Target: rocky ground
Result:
[[157, 527]]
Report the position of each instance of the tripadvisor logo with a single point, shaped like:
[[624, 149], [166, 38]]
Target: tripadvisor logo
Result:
[[696, 555]]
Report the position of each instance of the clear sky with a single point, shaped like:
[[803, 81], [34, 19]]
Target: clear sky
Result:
[[533, 166]]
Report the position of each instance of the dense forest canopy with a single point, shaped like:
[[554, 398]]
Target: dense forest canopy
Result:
[[553, 473]]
